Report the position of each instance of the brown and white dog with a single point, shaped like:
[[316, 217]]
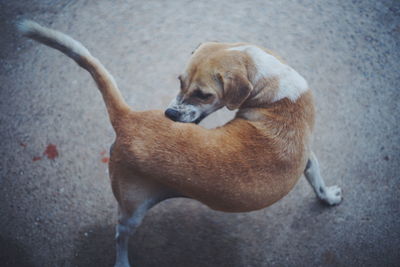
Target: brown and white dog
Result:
[[247, 164]]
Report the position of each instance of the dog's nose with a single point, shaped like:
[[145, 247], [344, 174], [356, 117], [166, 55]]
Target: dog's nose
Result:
[[172, 114]]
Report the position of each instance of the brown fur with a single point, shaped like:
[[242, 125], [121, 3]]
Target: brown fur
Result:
[[247, 164], [244, 165]]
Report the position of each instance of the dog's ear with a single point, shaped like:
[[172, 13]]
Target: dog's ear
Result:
[[236, 88]]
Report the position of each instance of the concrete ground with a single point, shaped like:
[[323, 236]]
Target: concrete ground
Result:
[[56, 206]]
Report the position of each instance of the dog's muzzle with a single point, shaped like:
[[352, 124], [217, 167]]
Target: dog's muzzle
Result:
[[175, 115]]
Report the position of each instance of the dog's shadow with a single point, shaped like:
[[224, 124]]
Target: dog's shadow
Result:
[[170, 235], [13, 254], [95, 247]]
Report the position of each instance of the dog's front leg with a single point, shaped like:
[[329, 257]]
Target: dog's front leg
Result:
[[331, 195]]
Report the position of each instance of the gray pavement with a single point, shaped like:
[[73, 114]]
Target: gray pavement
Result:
[[59, 211]]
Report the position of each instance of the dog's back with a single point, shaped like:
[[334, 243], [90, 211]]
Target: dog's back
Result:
[[250, 164]]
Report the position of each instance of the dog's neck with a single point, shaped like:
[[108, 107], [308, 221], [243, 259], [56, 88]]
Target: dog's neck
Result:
[[264, 94], [284, 108], [272, 79]]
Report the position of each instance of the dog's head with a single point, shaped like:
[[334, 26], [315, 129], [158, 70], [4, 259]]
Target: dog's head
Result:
[[215, 77], [232, 75]]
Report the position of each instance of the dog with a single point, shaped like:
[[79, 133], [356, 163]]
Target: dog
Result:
[[247, 164]]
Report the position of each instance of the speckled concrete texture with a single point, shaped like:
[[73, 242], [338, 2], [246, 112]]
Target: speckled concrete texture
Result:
[[61, 212]]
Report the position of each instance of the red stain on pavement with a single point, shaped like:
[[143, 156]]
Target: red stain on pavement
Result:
[[36, 158], [103, 152], [51, 151], [105, 159]]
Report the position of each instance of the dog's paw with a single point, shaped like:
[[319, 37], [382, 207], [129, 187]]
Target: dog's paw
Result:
[[332, 196]]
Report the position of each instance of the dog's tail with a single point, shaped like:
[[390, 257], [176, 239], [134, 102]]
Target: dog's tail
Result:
[[113, 99]]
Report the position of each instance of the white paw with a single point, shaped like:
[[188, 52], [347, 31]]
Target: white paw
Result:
[[332, 195]]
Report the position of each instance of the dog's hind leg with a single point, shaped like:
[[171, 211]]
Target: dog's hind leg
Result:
[[127, 223], [331, 195], [135, 195]]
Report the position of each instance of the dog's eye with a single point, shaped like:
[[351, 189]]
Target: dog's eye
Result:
[[201, 95]]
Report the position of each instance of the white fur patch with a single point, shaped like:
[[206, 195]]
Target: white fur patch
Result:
[[189, 112], [332, 195], [291, 83]]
